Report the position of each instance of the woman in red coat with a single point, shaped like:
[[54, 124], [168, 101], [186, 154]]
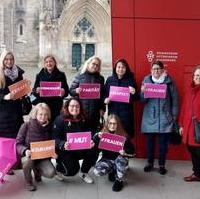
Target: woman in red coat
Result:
[[191, 103]]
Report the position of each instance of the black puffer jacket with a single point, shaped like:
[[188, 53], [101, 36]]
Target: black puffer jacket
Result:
[[31, 131], [10, 110], [91, 107], [123, 110], [62, 126], [55, 103]]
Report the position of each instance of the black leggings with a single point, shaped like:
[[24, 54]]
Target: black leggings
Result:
[[68, 161]]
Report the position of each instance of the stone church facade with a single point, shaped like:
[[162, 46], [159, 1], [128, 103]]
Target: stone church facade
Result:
[[71, 30]]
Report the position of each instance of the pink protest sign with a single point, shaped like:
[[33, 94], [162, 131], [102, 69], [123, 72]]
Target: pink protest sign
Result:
[[7, 155], [155, 90], [89, 91], [50, 89], [119, 94], [112, 142], [79, 140]]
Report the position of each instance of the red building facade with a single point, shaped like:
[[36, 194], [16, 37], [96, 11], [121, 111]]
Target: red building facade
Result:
[[144, 30]]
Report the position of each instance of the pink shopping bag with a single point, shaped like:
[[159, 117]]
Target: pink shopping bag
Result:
[[8, 156]]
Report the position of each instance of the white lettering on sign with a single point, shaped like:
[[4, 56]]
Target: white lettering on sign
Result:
[[78, 140], [119, 93], [112, 141], [90, 89], [40, 149], [155, 90], [49, 88]]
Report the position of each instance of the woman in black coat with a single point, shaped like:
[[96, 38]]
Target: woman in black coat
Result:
[[50, 73], [90, 74], [122, 77], [10, 110], [72, 120]]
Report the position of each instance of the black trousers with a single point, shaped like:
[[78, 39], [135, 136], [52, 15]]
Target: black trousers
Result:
[[195, 156], [68, 161]]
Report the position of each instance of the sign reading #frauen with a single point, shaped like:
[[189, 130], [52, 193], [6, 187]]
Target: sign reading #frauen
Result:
[[79, 140], [155, 90], [50, 89], [43, 149], [112, 142], [20, 89], [119, 94], [89, 91]]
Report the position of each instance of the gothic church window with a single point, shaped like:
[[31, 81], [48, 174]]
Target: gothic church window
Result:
[[84, 27]]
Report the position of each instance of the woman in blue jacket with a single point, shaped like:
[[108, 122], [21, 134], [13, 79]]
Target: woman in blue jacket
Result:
[[159, 115], [122, 77]]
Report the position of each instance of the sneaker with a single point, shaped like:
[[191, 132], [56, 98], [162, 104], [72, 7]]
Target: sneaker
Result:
[[86, 178], [148, 168], [111, 176], [59, 176], [30, 186], [162, 170], [117, 186]]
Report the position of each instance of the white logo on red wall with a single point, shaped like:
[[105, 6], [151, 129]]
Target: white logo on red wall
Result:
[[164, 56]]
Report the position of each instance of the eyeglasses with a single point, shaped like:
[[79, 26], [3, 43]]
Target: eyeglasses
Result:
[[74, 106], [156, 69], [112, 123]]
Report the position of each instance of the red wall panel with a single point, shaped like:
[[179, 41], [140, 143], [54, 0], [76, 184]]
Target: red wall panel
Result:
[[167, 30]]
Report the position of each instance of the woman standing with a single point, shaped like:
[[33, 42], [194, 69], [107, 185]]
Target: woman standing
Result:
[[90, 74], [158, 116], [72, 120], [122, 77], [191, 107], [50, 73], [10, 110]]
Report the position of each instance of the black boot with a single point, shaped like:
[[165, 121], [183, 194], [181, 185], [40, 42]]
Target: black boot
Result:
[[118, 185]]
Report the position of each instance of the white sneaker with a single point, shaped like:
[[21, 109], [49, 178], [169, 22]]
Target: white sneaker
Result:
[[59, 176], [86, 178]]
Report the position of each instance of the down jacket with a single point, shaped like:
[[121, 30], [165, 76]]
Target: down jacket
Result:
[[159, 114], [10, 110]]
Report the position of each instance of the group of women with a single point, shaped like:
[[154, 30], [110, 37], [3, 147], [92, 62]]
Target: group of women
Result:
[[50, 118]]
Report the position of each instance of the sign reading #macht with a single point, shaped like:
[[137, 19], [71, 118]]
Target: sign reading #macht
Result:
[[155, 90], [112, 142], [89, 91], [79, 140], [50, 89], [43, 149], [119, 94]]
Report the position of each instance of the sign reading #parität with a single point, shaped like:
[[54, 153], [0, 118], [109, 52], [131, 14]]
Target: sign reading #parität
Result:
[[50, 89], [89, 91], [119, 94], [79, 140], [155, 90], [112, 142]]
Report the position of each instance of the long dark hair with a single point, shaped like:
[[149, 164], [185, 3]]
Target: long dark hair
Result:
[[65, 111], [126, 65]]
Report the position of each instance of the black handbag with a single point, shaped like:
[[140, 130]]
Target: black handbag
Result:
[[26, 105], [175, 137], [196, 130]]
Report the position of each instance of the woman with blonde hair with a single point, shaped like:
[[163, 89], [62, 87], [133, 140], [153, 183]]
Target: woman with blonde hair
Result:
[[36, 129], [51, 73], [90, 74], [10, 110]]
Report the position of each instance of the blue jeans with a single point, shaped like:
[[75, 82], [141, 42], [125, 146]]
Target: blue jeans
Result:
[[163, 140]]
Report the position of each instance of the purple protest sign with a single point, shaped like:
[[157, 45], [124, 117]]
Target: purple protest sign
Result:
[[89, 91], [119, 94], [50, 89], [79, 140], [7, 155], [112, 142], [155, 90]]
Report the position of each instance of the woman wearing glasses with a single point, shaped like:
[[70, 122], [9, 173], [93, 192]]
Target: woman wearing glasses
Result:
[[158, 115]]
